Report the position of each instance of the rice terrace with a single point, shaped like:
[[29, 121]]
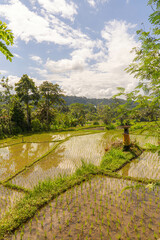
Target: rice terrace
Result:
[[80, 120], [84, 186]]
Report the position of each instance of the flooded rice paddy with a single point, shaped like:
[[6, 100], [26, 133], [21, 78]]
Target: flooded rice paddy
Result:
[[43, 137], [142, 140], [97, 209], [66, 158], [16, 157], [146, 166]]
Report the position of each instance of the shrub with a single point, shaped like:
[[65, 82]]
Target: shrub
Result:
[[110, 127], [36, 125], [95, 123], [16, 130]]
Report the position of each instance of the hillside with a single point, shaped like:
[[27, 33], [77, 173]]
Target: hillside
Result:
[[95, 101]]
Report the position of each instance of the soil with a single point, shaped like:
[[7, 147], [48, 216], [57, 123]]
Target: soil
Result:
[[95, 210]]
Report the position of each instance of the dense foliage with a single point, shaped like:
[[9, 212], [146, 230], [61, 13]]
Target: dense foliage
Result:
[[6, 39], [26, 107]]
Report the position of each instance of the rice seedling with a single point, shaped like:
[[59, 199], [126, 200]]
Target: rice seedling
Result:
[[88, 198]]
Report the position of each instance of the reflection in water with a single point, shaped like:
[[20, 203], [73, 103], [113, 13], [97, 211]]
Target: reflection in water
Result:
[[16, 157], [46, 137], [4, 154], [146, 166], [67, 157]]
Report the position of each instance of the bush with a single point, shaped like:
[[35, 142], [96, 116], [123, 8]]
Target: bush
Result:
[[16, 130], [36, 125], [45, 127], [110, 127], [95, 123]]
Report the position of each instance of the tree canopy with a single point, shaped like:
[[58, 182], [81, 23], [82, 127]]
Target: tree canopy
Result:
[[26, 91]]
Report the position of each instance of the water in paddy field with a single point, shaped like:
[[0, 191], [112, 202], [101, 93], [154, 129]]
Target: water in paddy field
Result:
[[141, 140], [67, 157], [16, 157], [46, 137], [146, 166]]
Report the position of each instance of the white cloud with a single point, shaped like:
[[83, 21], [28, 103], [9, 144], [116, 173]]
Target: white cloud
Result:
[[28, 25], [119, 43], [65, 65], [100, 79], [60, 7], [13, 79], [3, 72], [79, 61], [16, 55], [94, 68], [94, 3], [37, 59]]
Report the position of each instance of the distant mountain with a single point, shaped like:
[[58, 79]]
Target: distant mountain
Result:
[[95, 101]]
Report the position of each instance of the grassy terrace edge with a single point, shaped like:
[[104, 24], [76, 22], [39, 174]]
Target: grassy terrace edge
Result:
[[45, 191]]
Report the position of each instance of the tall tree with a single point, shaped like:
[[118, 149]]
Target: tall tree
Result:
[[6, 39], [105, 113], [51, 96], [27, 92], [6, 98], [17, 115]]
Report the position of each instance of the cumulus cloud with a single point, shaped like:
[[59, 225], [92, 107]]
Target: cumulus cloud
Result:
[[94, 3], [29, 25], [60, 7], [119, 43], [3, 72], [94, 68], [80, 60], [37, 59], [65, 65], [13, 79], [16, 55], [100, 79]]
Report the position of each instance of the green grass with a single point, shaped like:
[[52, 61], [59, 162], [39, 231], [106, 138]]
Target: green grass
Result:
[[116, 158], [45, 191], [41, 195]]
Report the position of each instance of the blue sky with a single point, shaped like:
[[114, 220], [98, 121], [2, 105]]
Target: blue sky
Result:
[[83, 45]]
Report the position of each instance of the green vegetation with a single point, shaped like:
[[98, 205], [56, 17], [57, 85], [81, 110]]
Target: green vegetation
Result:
[[6, 37], [49, 189], [116, 158], [100, 200]]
